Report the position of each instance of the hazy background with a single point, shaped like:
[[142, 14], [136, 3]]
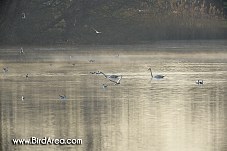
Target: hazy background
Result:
[[120, 22]]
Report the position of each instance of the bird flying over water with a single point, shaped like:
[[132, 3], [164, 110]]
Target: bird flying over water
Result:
[[96, 31]]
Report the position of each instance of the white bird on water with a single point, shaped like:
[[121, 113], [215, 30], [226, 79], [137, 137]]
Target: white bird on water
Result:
[[22, 98], [23, 16], [113, 78], [21, 50], [140, 10], [156, 76]]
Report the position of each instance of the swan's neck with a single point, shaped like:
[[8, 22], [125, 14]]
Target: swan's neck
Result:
[[151, 74], [104, 74]]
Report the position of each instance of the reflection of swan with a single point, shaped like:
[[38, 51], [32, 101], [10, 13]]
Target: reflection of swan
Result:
[[113, 78], [199, 82], [156, 76]]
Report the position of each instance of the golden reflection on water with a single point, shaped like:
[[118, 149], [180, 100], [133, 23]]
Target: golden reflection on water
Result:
[[140, 114]]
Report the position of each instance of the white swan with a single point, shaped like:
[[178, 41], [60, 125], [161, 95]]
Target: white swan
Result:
[[22, 98], [156, 76], [113, 78]]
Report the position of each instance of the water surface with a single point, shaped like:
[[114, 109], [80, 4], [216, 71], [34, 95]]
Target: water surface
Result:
[[140, 114]]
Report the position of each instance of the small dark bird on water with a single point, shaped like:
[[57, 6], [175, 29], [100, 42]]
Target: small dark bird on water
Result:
[[91, 61], [95, 72], [104, 86], [92, 72], [199, 82], [62, 97], [26, 76]]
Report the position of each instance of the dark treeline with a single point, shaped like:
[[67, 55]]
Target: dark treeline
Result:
[[109, 21]]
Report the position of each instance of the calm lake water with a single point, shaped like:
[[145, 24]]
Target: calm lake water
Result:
[[140, 114]]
